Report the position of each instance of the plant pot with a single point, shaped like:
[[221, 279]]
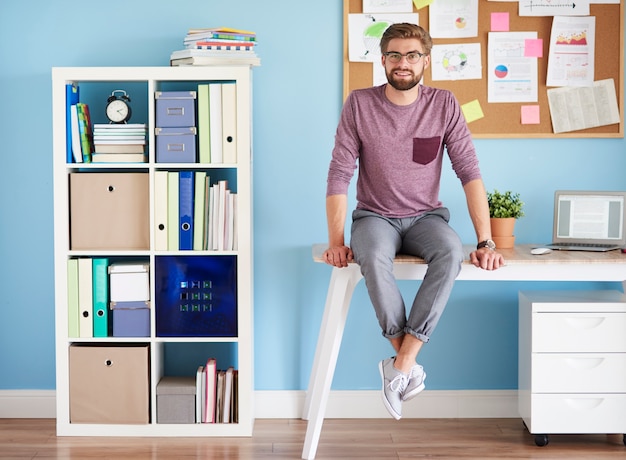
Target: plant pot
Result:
[[504, 242], [502, 232]]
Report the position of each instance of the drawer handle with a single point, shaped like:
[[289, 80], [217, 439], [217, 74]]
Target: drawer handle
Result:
[[585, 323], [584, 363], [584, 404]]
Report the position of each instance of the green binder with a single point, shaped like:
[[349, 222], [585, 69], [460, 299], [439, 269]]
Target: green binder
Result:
[[100, 296]]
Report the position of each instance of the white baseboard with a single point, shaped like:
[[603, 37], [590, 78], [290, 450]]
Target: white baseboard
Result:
[[341, 404], [368, 404], [27, 404]]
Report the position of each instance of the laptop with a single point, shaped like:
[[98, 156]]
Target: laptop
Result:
[[588, 221]]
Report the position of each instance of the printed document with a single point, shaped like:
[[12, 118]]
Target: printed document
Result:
[[511, 76], [574, 108], [572, 56]]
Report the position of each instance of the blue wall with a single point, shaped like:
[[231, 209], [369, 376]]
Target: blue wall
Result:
[[297, 99]]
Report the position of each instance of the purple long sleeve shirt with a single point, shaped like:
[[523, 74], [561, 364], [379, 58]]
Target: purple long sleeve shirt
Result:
[[400, 150]]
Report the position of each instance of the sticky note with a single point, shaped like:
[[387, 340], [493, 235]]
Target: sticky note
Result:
[[500, 22], [533, 47], [472, 111], [530, 115], [419, 4]]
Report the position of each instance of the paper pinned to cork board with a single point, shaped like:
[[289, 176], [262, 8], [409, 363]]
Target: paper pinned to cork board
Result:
[[580, 107]]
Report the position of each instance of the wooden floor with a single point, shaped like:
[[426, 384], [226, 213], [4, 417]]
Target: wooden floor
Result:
[[362, 439]]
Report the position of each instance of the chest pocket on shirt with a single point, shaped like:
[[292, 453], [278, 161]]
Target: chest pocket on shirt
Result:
[[425, 149]]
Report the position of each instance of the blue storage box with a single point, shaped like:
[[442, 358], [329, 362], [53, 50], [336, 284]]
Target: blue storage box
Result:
[[175, 145], [131, 319], [175, 109], [196, 296]]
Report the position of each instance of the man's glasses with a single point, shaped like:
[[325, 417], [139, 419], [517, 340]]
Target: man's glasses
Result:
[[412, 57]]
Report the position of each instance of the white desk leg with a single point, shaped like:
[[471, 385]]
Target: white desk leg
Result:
[[341, 287], [332, 298]]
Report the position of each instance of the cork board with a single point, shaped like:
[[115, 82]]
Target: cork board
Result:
[[503, 119]]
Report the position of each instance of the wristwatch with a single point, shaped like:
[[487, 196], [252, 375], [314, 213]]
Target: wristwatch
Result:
[[487, 244]]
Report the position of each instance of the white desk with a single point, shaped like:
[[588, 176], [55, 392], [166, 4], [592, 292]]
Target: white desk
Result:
[[520, 266]]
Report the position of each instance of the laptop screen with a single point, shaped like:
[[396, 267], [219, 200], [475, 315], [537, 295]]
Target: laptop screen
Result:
[[596, 217]]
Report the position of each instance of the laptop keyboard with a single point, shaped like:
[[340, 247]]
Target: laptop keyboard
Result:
[[584, 245]]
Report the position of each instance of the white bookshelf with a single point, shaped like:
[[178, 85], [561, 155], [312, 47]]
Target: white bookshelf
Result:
[[149, 80]]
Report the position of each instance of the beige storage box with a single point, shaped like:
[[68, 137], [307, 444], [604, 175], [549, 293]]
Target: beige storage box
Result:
[[109, 384], [109, 211]]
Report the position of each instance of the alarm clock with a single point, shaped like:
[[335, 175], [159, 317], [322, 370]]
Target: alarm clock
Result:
[[118, 108]]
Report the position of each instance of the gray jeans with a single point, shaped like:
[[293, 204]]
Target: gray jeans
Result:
[[375, 240]]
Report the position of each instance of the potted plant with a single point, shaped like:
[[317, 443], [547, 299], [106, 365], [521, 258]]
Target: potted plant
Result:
[[504, 209]]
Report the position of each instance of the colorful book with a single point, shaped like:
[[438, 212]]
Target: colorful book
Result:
[[215, 60], [71, 98], [85, 133], [228, 395], [89, 126], [200, 393], [77, 150], [210, 372], [119, 148], [118, 158], [225, 33], [234, 46], [219, 396], [221, 214], [206, 243]]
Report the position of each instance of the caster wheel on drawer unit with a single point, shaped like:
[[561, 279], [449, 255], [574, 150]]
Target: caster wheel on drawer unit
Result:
[[541, 440]]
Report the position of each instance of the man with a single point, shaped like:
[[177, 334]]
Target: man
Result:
[[397, 133]]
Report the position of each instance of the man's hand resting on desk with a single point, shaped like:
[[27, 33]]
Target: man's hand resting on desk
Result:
[[486, 259], [338, 256]]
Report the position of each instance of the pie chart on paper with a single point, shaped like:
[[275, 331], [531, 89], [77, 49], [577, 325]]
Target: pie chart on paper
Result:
[[460, 23], [501, 71]]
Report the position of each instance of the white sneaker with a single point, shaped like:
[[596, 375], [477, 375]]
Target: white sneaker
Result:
[[415, 382], [394, 384]]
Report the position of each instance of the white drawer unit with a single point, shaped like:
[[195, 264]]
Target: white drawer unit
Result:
[[572, 362]]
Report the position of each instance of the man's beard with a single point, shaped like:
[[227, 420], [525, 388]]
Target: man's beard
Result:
[[402, 84]]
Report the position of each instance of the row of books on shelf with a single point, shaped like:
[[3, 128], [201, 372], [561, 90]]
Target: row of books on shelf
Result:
[[217, 46], [82, 142], [89, 142], [193, 214], [216, 394], [107, 299], [209, 137]]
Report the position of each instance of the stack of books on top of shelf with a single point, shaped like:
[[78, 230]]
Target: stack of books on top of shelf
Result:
[[119, 143], [218, 46]]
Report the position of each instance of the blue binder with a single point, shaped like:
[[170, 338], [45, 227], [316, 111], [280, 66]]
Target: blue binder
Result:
[[71, 98], [186, 194]]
